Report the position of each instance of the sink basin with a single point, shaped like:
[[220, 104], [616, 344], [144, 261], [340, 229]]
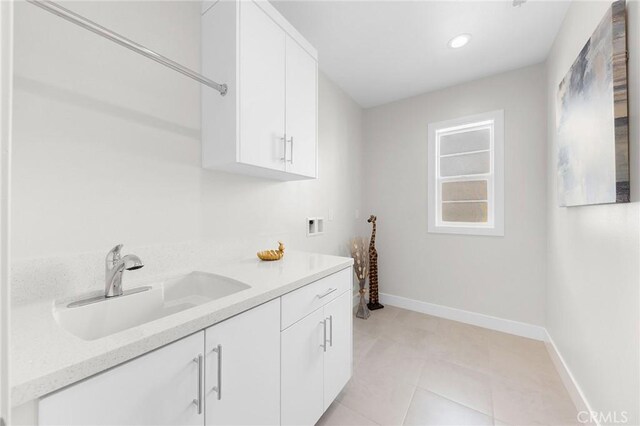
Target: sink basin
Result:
[[96, 319]]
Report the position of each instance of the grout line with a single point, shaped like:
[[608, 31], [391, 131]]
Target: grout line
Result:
[[363, 415], [458, 402], [357, 412], [404, 418]]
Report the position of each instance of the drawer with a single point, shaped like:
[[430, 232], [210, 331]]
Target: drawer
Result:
[[303, 301]]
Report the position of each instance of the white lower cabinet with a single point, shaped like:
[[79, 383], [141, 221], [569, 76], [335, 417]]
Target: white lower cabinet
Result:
[[302, 371], [337, 359], [243, 368], [316, 361], [158, 388]]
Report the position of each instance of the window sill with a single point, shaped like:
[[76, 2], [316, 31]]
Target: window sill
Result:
[[466, 230]]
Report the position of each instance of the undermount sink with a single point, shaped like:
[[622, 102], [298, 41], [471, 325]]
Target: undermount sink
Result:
[[94, 318]]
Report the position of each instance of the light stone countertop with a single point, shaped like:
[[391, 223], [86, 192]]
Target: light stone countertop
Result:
[[45, 357]]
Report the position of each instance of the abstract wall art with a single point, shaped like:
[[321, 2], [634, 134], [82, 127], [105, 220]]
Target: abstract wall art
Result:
[[592, 118]]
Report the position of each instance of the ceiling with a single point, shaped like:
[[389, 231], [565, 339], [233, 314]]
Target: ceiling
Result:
[[381, 51]]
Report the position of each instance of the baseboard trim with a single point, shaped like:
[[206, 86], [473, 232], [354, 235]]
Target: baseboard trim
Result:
[[575, 392], [486, 321]]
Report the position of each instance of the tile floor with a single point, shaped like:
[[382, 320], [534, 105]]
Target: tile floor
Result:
[[415, 369]]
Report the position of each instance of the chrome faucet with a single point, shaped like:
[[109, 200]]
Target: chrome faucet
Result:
[[115, 267]]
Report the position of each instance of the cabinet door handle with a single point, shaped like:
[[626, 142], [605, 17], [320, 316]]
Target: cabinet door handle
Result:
[[284, 142], [198, 401], [328, 292], [324, 335], [331, 330], [218, 388], [291, 160]]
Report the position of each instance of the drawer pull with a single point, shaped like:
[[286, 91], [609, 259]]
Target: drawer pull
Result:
[[291, 160], [198, 401], [328, 292], [284, 142], [324, 335], [218, 388]]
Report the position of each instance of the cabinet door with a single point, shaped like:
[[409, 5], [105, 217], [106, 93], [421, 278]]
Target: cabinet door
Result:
[[302, 376], [243, 368], [158, 388], [338, 358], [262, 88], [301, 108]]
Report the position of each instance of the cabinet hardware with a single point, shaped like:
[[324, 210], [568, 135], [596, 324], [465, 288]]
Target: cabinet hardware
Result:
[[328, 292], [198, 401], [284, 142], [324, 335], [330, 330], [218, 388], [291, 160]]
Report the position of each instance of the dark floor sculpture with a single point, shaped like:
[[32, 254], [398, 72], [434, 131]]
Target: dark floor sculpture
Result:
[[373, 269]]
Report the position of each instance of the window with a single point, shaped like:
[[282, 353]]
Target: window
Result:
[[466, 175]]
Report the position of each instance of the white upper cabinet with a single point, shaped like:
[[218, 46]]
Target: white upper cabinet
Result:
[[262, 88], [301, 109], [266, 125]]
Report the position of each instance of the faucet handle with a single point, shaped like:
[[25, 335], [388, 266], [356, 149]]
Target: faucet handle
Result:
[[114, 254]]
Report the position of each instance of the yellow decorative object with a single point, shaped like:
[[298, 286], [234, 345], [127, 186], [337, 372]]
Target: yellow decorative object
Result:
[[272, 254]]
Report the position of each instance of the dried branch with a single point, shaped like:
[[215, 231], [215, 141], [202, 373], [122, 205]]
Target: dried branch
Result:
[[360, 255]]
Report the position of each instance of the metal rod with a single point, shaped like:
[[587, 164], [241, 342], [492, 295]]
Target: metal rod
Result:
[[85, 23]]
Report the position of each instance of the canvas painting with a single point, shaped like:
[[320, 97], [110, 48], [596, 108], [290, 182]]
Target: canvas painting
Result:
[[592, 118]]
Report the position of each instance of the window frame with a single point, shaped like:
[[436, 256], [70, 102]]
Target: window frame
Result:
[[494, 120]]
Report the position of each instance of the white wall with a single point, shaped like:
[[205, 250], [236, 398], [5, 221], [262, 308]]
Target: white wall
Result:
[[498, 276], [6, 48], [107, 150], [96, 123], [593, 312]]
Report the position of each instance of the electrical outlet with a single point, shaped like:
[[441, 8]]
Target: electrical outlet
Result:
[[315, 226]]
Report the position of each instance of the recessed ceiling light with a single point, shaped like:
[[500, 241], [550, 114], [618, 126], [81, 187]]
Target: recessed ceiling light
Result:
[[459, 41]]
